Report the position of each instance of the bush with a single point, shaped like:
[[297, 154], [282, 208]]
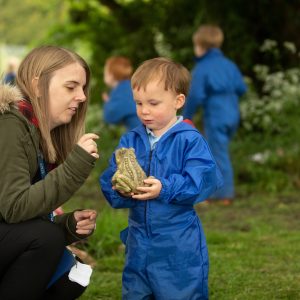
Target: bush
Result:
[[261, 111]]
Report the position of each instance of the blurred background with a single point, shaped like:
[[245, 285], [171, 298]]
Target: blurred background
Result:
[[254, 244]]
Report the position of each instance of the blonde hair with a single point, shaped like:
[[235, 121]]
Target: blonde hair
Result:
[[41, 63], [120, 67], [174, 76], [209, 36]]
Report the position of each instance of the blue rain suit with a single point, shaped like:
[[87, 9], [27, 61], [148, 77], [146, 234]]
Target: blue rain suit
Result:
[[166, 252], [120, 108], [216, 86]]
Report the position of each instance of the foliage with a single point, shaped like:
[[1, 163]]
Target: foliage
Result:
[[145, 29], [27, 22], [262, 110]]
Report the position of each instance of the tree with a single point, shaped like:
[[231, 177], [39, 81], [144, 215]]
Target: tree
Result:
[[27, 22]]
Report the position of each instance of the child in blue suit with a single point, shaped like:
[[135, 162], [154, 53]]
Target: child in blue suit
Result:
[[119, 107], [166, 252], [216, 86]]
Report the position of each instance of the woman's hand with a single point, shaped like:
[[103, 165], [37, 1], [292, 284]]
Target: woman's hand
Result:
[[149, 192], [86, 221], [87, 143]]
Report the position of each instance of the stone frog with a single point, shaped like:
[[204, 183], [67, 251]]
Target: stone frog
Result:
[[129, 174]]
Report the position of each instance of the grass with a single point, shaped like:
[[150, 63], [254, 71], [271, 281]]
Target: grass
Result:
[[254, 247]]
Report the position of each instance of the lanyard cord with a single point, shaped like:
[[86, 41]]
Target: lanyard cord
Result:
[[43, 173]]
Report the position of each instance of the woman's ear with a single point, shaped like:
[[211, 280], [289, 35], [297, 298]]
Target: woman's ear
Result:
[[35, 82], [180, 100]]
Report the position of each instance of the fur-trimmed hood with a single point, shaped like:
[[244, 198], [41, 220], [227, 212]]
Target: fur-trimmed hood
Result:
[[9, 96]]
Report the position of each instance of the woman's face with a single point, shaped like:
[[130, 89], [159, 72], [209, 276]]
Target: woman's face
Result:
[[66, 93]]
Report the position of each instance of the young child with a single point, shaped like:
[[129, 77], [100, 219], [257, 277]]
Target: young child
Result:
[[166, 252], [119, 106], [216, 85]]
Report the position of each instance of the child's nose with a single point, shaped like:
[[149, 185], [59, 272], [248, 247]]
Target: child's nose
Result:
[[145, 110]]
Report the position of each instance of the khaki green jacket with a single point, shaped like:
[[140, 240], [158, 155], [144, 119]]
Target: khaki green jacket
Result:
[[20, 200]]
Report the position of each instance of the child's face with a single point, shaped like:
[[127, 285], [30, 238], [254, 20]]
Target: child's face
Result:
[[156, 107]]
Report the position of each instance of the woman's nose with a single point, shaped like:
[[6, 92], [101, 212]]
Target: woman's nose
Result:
[[81, 97]]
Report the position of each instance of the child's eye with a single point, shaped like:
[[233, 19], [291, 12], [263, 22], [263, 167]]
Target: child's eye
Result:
[[154, 103], [138, 103]]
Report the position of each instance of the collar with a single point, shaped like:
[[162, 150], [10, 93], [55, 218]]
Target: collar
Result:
[[209, 53], [26, 109], [150, 132]]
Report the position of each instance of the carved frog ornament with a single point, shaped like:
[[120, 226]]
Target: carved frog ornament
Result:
[[129, 174]]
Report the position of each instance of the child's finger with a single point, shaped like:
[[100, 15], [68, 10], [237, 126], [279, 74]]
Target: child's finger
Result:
[[150, 180], [144, 189], [145, 196]]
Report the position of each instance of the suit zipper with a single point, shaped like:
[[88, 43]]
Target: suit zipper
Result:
[[146, 204]]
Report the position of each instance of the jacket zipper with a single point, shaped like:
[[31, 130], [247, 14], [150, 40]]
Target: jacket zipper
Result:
[[146, 204]]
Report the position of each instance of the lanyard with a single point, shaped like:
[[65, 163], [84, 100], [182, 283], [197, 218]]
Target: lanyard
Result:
[[43, 173]]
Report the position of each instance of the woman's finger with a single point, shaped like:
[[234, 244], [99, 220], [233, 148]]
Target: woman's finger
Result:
[[88, 136]]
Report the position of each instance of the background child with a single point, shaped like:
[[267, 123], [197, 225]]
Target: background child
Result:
[[11, 72], [119, 107], [216, 86], [166, 252]]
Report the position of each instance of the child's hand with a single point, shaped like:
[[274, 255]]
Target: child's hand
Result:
[[124, 194], [105, 97], [149, 192]]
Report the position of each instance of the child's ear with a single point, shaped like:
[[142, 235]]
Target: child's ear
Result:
[[180, 100]]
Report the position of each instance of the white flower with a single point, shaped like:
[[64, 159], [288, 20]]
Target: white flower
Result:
[[290, 46]]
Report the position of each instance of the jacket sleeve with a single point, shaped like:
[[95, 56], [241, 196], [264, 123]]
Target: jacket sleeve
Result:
[[199, 178], [197, 94], [20, 199], [241, 87], [115, 199]]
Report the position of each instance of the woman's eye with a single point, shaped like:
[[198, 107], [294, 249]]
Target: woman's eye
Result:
[[70, 88]]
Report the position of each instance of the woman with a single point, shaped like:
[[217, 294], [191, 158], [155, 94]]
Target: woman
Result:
[[41, 127]]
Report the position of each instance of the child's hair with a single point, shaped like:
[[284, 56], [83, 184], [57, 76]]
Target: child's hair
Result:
[[175, 76], [120, 67], [209, 36]]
